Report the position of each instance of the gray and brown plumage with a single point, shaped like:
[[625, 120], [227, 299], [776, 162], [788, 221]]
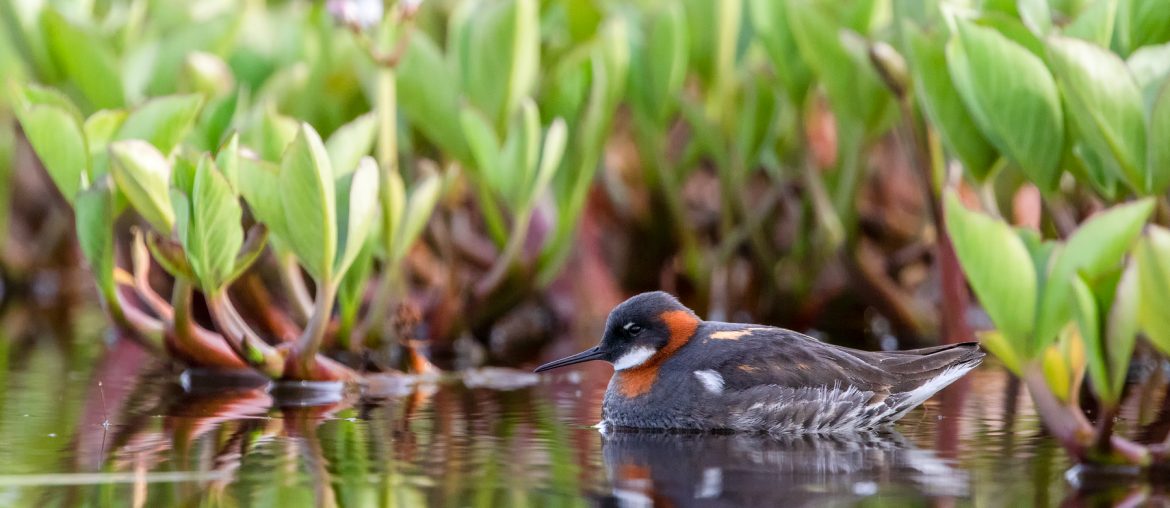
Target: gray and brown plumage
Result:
[[676, 371]]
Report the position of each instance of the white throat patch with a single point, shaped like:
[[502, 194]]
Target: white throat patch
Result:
[[635, 357]]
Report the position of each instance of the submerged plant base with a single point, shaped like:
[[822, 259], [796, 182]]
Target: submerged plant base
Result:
[[203, 381], [308, 393]]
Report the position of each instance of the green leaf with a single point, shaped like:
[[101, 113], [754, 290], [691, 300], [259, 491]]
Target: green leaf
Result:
[[418, 209], [855, 90], [550, 159], [32, 94], [481, 137], [1094, 23], [429, 95], [214, 234], [275, 134], [357, 207], [227, 159], [95, 233], [57, 138], [164, 121], [350, 142], [260, 185], [1121, 327], [308, 198], [999, 268], [86, 58], [1096, 247], [501, 56], [1089, 321], [143, 175], [1104, 102], [1012, 97], [101, 127], [216, 118], [1159, 143], [1035, 15], [1142, 23], [1152, 255], [664, 62], [1150, 67], [771, 22], [944, 108]]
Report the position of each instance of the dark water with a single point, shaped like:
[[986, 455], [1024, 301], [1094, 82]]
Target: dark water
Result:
[[100, 425]]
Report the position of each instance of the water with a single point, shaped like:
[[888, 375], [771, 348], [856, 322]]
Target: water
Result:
[[105, 426]]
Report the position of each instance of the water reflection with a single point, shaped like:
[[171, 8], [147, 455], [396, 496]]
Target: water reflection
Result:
[[760, 470], [107, 426]]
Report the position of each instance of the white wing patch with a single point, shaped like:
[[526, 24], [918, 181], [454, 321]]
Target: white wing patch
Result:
[[635, 357], [711, 380]]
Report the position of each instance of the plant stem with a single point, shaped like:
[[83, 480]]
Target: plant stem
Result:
[[1068, 425], [201, 347], [246, 343], [295, 289], [508, 257], [310, 341]]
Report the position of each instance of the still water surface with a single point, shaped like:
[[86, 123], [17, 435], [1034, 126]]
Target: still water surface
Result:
[[105, 426]]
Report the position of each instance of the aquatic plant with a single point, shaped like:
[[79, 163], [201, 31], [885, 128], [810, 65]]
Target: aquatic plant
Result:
[[1055, 106]]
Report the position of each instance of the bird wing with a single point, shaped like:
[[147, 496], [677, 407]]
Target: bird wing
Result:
[[749, 356]]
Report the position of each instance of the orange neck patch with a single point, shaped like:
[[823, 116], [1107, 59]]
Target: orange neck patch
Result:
[[638, 380]]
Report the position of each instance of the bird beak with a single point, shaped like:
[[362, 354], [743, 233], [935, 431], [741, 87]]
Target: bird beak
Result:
[[584, 356]]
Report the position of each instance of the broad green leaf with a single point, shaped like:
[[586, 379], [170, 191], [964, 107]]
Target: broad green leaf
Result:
[[1095, 23], [95, 233], [429, 96], [501, 57], [944, 108], [216, 119], [481, 137], [207, 74], [1012, 97], [1142, 23], [357, 207], [144, 175], [309, 200], [1089, 320], [1035, 15], [1150, 67], [418, 210], [32, 94], [664, 62], [1007, 351], [1096, 247], [855, 90], [351, 291], [58, 140], [214, 235], [1152, 255], [275, 134], [349, 143], [101, 127], [550, 158], [1121, 326], [1104, 102], [998, 266], [164, 121], [1159, 143], [771, 22], [260, 185], [86, 58], [227, 159], [393, 211]]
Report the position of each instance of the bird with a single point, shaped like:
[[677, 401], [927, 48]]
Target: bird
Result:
[[676, 372]]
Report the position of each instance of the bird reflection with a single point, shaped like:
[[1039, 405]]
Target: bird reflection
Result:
[[672, 469]]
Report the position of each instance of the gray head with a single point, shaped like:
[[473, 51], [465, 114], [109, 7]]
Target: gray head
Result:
[[649, 325]]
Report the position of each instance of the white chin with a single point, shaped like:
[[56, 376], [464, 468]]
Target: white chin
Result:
[[633, 358]]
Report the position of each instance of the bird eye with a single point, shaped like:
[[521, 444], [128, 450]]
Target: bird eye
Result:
[[633, 328]]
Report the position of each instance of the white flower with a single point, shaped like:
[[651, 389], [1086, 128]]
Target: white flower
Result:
[[359, 13]]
